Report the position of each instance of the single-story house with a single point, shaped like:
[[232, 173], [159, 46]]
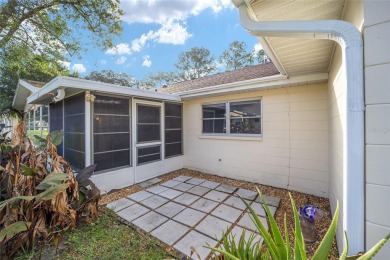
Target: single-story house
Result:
[[314, 120]]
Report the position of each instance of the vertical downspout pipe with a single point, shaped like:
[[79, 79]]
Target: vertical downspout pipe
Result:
[[350, 40]]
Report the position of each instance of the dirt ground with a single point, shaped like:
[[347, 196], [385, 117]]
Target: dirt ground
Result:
[[284, 206]]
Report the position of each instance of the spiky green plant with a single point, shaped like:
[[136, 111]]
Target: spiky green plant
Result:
[[277, 248]]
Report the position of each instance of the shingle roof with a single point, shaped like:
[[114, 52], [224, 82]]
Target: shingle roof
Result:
[[252, 72], [37, 84]]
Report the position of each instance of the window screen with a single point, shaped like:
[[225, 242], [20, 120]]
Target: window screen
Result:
[[243, 117], [56, 121], [74, 130], [173, 129], [148, 123], [148, 154], [111, 136]]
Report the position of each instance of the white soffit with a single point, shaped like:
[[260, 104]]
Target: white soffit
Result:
[[300, 56]]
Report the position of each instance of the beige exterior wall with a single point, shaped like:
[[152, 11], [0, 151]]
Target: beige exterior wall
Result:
[[377, 92], [337, 118], [293, 152]]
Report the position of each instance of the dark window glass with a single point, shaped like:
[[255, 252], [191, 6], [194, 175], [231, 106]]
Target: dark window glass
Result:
[[173, 149], [109, 160], [56, 118], [75, 123], [75, 105], [148, 114], [74, 130], [173, 109], [111, 142], [173, 122], [211, 126], [148, 154], [148, 133], [214, 111], [173, 136], [75, 141], [245, 109], [110, 124], [75, 158], [111, 105], [245, 126]]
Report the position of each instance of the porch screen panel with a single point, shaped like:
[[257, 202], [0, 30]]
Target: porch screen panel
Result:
[[148, 131], [111, 132], [56, 121], [74, 130], [173, 130]]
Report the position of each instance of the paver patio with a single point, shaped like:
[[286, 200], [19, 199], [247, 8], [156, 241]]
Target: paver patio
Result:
[[190, 212]]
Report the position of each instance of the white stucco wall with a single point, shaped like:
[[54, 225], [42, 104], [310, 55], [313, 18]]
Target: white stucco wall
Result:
[[377, 91], [293, 152]]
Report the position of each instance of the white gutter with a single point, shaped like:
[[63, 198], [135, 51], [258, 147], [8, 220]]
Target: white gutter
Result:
[[350, 40], [271, 82], [68, 82]]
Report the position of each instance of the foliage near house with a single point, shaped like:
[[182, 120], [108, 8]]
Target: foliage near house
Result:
[[40, 196]]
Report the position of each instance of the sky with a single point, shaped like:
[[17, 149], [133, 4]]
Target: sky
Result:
[[155, 32]]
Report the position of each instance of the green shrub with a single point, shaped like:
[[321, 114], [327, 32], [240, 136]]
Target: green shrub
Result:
[[277, 248]]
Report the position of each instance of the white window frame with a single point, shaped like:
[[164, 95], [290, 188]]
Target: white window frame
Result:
[[228, 118]]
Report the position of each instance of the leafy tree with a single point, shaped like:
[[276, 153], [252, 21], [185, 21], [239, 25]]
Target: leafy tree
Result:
[[236, 56], [112, 77], [261, 56], [54, 26], [196, 63], [31, 67], [158, 79], [36, 34]]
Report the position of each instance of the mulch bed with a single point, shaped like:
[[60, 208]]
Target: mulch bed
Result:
[[284, 206]]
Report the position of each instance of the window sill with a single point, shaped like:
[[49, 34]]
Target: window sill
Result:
[[232, 137]]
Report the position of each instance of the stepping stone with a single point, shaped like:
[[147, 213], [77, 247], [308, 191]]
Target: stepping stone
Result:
[[247, 194], [258, 208], [189, 217], [227, 213], [154, 202], [236, 202], [183, 186], [120, 204], [247, 222], [199, 190], [186, 199], [210, 184], [170, 209], [216, 195], [170, 194], [226, 188], [213, 227], [150, 221], [157, 189], [133, 212], [170, 232], [181, 178], [170, 183], [195, 181], [270, 200], [237, 233], [204, 205], [140, 196], [149, 182], [197, 241]]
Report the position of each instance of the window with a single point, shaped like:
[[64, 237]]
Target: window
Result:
[[173, 129], [74, 130], [111, 132], [148, 132], [236, 118]]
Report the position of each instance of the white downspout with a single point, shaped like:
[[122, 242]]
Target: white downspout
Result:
[[350, 40]]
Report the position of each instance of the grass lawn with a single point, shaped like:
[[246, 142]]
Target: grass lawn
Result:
[[106, 239]]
